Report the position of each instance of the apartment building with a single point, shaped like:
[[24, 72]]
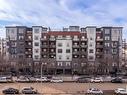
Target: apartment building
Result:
[[73, 50]]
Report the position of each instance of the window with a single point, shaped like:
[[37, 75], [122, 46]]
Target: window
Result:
[[91, 38], [29, 43], [75, 50], [36, 50], [107, 31], [36, 30], [114, 51], [107, 38], [107, 44], [67, 57], [59, 57], [68, 45], [44, 49], [21, 31], [29, 37], [91, 51], [59, 63], [90, 45], [36, 38], [44, 37], [36, 56], [52, 50], [59, 50], [67, 50], [36, 44], [90, 57], [60, 44], [83, 37], [75, 37], [68, 63], [21, 37]]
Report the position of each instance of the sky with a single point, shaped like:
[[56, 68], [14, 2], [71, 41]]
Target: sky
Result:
[[62, 13]]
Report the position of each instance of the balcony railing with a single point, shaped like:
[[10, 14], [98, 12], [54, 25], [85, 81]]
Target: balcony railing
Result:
[[84, 39], [83, 46], [99, 46], [75, 46], [99, 39]]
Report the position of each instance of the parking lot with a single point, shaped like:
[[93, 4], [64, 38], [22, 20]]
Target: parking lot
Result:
[[62, 88]]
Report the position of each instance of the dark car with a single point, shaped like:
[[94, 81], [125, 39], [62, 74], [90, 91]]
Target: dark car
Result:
[[116, 80], [29, 90], [11, 91], [82, 80]]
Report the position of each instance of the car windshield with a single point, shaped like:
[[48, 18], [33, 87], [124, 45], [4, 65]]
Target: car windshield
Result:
[[27, 89]]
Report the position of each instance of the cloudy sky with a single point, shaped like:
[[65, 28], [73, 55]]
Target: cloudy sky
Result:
[[62, 13]]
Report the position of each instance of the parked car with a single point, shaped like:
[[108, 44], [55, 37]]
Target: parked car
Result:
[[32, 79], [22, 79], [97, 80], [120, 91], [29, 90], [42, 79], [56, 80], [11, 91], [94, 91], [82, 80], [116, 80], [3, 80]]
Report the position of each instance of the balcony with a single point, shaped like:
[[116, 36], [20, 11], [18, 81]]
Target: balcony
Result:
[[99, 46], [44, 52], [28, 46], [83, 46], [99, 39], [44, 46], [85, 39], [74, 39], [52, 39], [83, 52], [28, 52], [44, 39], [75, 46], [27, 39], [76, 52], [114, 46], [52, 46], [99, 53]]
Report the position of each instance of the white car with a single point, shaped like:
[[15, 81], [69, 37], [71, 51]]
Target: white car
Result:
[[120, 91], [56, 80], [97, 80], [22, 79], [3, 79], [42, 79], [94, 91]]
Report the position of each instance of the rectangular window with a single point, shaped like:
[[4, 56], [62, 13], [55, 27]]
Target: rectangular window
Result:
[[91, 51], [36, 44], [107, 31], [21, 37], [30, 37], [107, 38], [107, 44], [36, 56], [36, 38], [68, 63], [90, 57], [36, 30], [36, 50], [67, 50], [59, 57], [67, 57], [60, 44], [59, 50], [59, 63]]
